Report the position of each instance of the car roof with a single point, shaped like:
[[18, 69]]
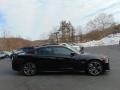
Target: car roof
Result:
[[27, 47], [51, 45]]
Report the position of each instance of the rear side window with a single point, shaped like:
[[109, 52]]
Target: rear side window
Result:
[[45, 51]]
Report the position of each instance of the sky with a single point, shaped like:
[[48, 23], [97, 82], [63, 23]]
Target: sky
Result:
[[34, 19]]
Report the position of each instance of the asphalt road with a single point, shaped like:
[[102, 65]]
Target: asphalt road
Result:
[[11, 80]]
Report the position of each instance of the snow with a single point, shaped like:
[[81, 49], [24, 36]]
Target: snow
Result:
[[112, 39]]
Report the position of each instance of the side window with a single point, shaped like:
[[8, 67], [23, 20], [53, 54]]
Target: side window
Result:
[[61, 51], [45, 51]]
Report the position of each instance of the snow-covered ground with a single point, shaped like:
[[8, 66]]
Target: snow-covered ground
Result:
[[109, 40]]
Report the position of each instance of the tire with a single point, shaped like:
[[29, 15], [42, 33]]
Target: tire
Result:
[[7, 56], [94, 68], [29, 69]]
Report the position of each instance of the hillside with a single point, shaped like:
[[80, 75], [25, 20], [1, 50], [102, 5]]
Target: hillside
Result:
[[112, 39], [14, 43], [98, 35]]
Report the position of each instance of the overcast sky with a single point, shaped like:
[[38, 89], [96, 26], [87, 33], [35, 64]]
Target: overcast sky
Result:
[[34, 19]]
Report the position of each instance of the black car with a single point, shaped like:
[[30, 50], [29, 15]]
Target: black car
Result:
[[59, 58]]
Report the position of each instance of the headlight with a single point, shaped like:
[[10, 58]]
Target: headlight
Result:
[[105, 59]]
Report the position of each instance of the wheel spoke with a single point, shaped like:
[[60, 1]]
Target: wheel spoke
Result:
[[94, 68], [29, 69]]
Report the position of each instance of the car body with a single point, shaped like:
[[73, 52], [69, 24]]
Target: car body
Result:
[[59, 58]]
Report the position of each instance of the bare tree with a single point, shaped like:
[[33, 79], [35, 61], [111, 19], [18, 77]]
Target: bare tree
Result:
[[103, 21], [62, 31], [91, 26], [79, 34], [66, 32], [100, 22], [51, 38], [54, 36], [72, 33]]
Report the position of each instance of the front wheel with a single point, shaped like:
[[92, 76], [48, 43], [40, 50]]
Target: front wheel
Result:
[[29, 69], [94, 68]]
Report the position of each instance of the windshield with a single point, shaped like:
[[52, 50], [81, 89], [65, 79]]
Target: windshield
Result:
[[73, 49]]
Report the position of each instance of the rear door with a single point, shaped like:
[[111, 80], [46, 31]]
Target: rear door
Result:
[[45, 58]]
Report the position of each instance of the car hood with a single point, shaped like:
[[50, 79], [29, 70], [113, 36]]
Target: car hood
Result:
[[92, 56]]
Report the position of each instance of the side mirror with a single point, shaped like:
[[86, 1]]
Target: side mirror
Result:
[[82, 50], [72, 54]]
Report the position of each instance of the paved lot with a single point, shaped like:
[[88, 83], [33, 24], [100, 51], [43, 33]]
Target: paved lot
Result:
[[11, 80]]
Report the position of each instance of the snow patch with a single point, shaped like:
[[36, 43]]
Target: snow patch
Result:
[[112, 39]]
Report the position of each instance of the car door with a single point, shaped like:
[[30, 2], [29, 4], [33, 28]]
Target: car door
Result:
[[45, 58], [64, 59]]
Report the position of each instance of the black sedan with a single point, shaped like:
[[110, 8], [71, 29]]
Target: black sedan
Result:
[[59, 58]]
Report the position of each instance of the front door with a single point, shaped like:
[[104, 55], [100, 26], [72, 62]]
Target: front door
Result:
[[64, 59]]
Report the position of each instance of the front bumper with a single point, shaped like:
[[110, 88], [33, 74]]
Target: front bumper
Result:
[[106, 66]]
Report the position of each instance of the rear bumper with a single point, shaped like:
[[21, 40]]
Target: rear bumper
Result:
[[16, 68], [16, 65]]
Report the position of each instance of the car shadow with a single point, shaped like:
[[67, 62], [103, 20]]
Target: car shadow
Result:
[[67, 73], [48, 73]]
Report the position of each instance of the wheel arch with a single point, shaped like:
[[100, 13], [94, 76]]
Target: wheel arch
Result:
[[88, 61], [98, 60]]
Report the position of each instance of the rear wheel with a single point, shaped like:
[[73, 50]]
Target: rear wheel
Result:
[[29, 69], [94, 68]]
